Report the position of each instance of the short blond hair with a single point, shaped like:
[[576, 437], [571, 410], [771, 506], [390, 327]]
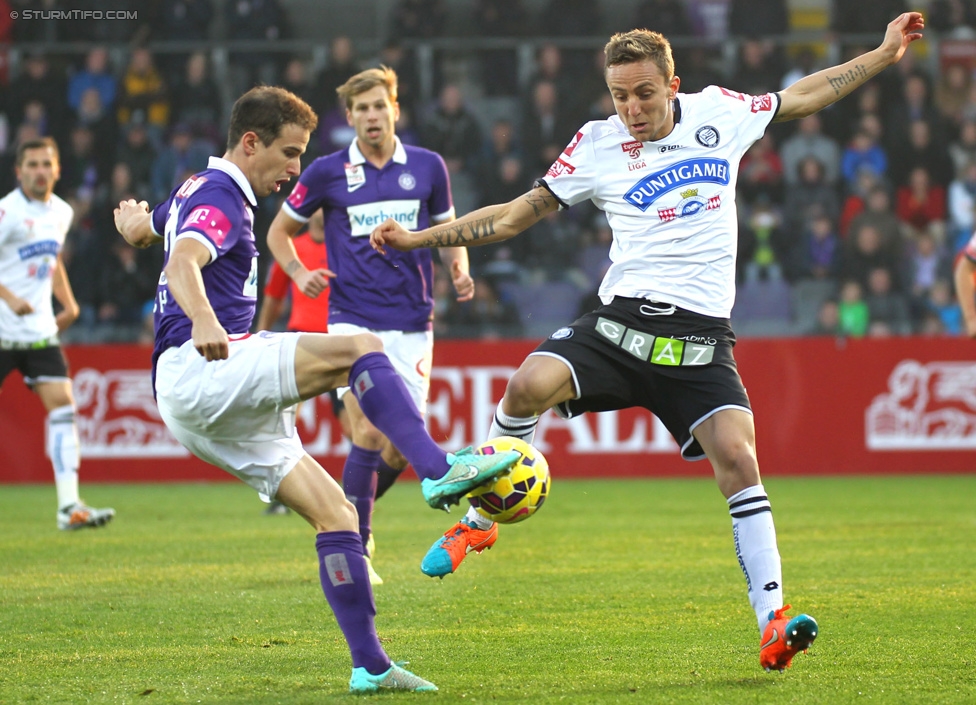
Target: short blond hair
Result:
[[367, 80], [640, 45]]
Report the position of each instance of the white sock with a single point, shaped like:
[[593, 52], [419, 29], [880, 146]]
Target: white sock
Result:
[[755, 546], [62, 447], [504, 425]]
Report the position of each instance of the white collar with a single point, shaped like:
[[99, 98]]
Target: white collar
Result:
[[399, 153], [234, 171]]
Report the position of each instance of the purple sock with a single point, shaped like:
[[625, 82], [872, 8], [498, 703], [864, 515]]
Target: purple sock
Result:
[[345, 583], [359, 483], [384, 399]]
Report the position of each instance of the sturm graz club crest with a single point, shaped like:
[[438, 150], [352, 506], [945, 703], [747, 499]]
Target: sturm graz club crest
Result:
[[707, 136], [562, 334]]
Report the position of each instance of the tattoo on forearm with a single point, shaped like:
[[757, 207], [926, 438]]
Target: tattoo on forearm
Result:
[[851, 77], [540, 203], [292, 267], [461, 234]]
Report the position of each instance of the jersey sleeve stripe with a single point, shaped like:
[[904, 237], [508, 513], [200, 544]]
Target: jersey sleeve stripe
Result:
[[443, 217], [199, 237], [290, 212]]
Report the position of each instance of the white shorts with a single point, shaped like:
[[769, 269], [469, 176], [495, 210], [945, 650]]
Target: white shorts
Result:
[[238, 413], [411, 355]]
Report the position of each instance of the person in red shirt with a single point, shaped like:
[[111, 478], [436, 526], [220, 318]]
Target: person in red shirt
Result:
[[308, 315]]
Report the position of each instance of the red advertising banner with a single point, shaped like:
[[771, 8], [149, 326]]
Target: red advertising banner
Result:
[[823, 406]]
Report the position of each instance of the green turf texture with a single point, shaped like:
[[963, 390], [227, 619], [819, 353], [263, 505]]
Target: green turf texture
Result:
[[617, 591]]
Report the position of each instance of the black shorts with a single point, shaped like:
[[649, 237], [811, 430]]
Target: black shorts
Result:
[[634, 352], [36, 364]]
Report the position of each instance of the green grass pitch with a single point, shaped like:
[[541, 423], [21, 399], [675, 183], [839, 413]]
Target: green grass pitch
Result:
[[616, 592]]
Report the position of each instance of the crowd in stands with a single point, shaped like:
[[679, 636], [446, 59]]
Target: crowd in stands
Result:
[[849, 219]]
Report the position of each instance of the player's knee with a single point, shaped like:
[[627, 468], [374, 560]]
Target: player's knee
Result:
[[738, 467], [364, 343], [522, 396]]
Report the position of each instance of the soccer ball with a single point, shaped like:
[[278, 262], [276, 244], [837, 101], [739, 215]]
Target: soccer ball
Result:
[[518, 493]]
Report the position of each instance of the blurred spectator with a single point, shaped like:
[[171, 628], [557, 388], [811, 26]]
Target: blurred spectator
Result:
[[80, 173], [295, 78], [921, 150], [501, 143], [848, 17], [915, 105], [488, 316], [177, 161], [552, 249], [811, 196], [500, 18], [761, 172], [254, 20], [100, 119], [395, 56], [95, 75], [828, 319], [758, 18], [962, 150], [863, 154], [138, 154], [405, 129], [865, 252], [843, 119], [143, 95], [341, 67], [927, 262], [669, 17], [852, 311], [569, 18], [943, 304], [961, 206], [920, 203], [196, 100], [756, 73], [452, 131], [185, 20], [803, 64], [762, 247], [809, 141], [818, 255], [951, 94], [40, 84], [877, 213], [699, 72], [546, 128], [952, 17], [886, 305], [125, 287], [419, 19], [334, 130], [549, 68]]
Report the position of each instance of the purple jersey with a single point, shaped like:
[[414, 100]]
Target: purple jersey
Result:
[[214, 208], [392, 292]]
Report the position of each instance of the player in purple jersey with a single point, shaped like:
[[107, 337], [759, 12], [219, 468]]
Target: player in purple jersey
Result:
[[663, 170], [375, 178], [229, 396]]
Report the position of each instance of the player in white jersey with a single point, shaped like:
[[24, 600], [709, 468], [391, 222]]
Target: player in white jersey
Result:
[[663, 169], [33, 225]]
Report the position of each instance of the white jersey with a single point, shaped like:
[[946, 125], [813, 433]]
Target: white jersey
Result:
[[670, 203], [31, 236]]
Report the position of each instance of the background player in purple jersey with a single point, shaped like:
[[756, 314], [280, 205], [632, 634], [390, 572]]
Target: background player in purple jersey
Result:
[[229, 396], [375, 178], [671, 286]]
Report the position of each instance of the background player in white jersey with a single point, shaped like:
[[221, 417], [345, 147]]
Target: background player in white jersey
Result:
[[663, 169], [33, 225], [375, 178], [229, 396]]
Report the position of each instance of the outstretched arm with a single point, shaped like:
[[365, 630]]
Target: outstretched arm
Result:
[[966, 293], [480, 227], [818, 90]]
